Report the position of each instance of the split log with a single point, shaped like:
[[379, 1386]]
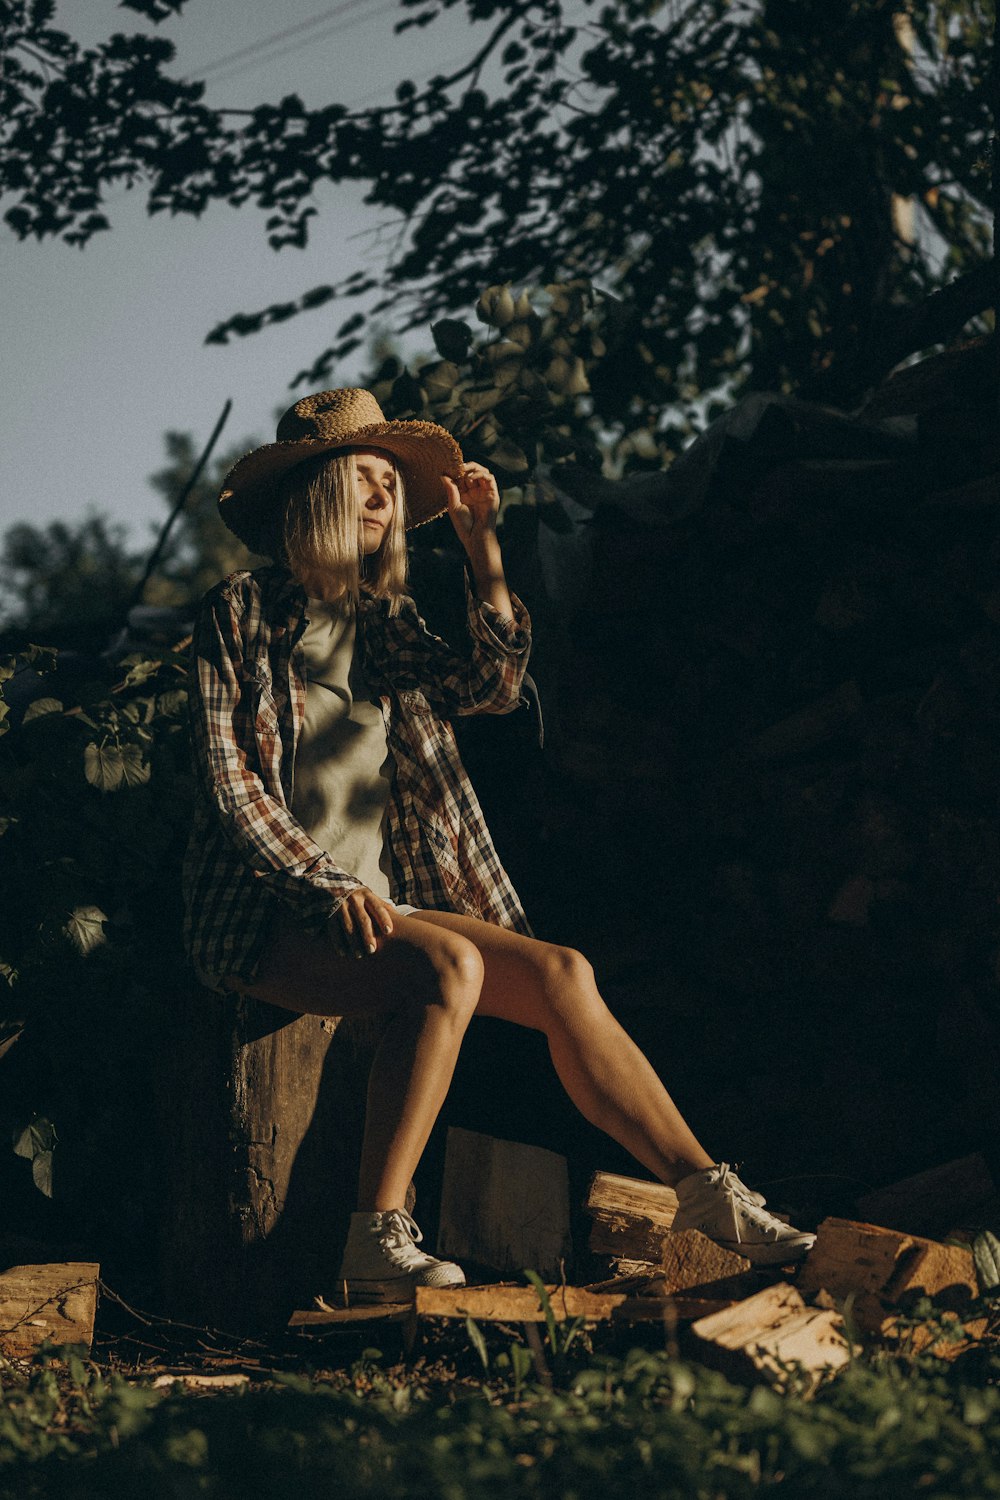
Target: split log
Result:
[[56, 1302], [632, 1222], [209, 1383], [631, 1217], [692, 1263], [773, 1336], [520, 1304], [504, 1205], [887, 1272], [958, 1194], [505, 1303], [306, 1318]]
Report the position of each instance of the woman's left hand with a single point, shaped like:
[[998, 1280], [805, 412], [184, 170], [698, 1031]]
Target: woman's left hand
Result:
[[473, 504]]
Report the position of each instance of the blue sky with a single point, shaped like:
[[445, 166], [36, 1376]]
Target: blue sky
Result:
[[102, 348]]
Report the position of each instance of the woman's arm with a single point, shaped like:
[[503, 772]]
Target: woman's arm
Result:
[[474, 504], [485, 676]]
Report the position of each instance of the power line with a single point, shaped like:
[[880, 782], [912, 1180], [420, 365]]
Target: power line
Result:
[[254, 50]]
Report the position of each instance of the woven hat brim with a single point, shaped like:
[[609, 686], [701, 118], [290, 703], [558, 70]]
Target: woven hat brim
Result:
[[425, 452]]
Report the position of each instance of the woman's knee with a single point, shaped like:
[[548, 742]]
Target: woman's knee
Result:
[[452, 973], [566, 971]]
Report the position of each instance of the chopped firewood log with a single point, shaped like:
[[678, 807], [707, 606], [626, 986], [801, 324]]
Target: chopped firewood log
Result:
[[192, 1382], [631, 1217], [689, 1260], [774, 1336], [634, 1270], [56, 1301], [504, 1205], [305, 1318], [887, 1272], [960, 1193], [638, 1300], [521, 1304], [514, 1304]]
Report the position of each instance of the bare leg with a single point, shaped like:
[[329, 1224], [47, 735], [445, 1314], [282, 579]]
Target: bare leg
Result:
[[428, 984], [430, 976], [553, 990]]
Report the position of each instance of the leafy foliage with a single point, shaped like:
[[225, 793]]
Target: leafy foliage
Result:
[[742, 175], [73, 583], [36, 1143], [517, 396], [95, 802], [64, 575], [648, 1424], [986, 1250]]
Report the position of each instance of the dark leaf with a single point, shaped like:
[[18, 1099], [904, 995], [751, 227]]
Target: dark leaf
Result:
[[154, 10], [452, 339], [85, 929]]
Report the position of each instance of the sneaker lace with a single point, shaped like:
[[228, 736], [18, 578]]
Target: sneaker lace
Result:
[[736, 1185], [765, 1221], [399, 1233]]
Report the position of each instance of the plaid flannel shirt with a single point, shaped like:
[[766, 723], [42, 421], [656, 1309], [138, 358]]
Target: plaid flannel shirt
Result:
[[248, 857]]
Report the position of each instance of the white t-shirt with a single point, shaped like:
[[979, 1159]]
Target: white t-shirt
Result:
[[343, 765]]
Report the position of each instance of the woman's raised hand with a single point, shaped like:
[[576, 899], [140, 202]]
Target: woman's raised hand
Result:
[[363, 918], [473, 503]]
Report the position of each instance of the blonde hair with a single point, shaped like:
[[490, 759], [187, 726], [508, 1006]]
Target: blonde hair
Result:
[[321, 536]]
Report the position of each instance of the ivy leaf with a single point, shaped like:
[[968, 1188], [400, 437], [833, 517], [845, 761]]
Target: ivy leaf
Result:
[[135, 770], [451, 338], [36, 1144], [41, 658], [40, 708], [140, 670], [986, 1254], [171, 703], [85, 929], [407, 393], [104, 767], [509, 456]]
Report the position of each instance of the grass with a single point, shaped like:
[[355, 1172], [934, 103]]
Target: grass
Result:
[[475, 1422]]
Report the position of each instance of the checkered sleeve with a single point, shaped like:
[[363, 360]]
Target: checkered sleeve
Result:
[[226, 754], [484, 677]]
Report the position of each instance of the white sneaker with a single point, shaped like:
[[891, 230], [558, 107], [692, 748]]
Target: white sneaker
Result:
[[721, 1206], [382, 1263]]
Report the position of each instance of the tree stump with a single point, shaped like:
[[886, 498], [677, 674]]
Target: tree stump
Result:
[[262, 1115]]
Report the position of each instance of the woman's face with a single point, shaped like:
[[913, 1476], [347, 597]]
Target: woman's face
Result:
[[376, 495]]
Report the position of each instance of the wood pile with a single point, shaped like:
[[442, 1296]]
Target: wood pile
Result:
[[790, 1326], [54, 1302], [779, 710]]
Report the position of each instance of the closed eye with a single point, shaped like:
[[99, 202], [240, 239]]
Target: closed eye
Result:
[[387, 479]]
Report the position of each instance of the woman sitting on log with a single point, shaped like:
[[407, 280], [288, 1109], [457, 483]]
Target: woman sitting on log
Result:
[[366, 882]]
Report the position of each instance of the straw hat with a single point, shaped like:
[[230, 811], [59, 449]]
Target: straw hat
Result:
[[319, 424]]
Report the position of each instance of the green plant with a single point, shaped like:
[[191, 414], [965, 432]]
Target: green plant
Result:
[[95, 798], [986, 1254]]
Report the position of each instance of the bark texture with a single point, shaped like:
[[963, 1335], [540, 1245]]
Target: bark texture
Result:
[[263, 1117]]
